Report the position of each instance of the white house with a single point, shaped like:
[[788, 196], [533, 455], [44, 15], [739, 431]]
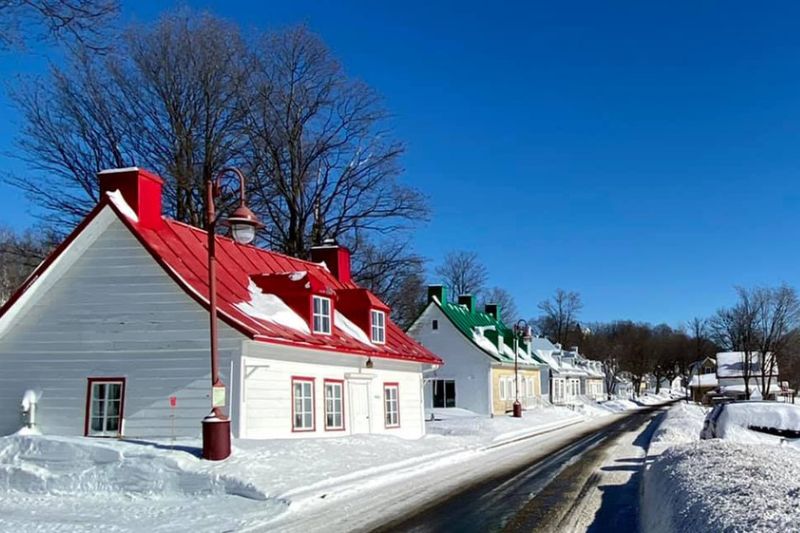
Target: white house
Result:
[[731, 370], [111, 332], [478, 351], [571, 374]]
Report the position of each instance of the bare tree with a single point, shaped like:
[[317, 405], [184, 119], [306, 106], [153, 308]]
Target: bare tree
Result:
[[503, 298], [735, 330], [20, 253], [463, 273], [166, 98], [777, 317], [395, 274], [72, 21], [325, 160], [560, 319]]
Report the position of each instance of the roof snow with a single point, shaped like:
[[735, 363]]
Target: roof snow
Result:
[[344, 324], [485, 343], [264, 306], [120, 203], [731, 364], [704, 380]]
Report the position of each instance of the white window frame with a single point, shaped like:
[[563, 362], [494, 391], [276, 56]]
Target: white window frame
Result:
[[334, 405], [391, 405], [502, 387], [378, 326], [303, 412], [319, 319], [103, 403]]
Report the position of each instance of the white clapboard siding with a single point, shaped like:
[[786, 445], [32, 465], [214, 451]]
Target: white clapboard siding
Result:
[[110, 311], [267, 373], [464, 363]]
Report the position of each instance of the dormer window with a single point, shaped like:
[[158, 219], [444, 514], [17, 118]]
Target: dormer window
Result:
[[378, 327], [321, 315]]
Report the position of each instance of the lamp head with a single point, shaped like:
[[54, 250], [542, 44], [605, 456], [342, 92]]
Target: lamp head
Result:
[[243, 223]]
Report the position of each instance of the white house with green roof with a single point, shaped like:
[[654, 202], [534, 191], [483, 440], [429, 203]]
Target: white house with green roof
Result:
[[478, 352]]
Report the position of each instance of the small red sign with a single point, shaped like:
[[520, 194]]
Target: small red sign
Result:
[[173, 401]]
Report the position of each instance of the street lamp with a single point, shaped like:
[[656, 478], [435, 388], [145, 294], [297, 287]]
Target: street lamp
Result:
[[243, 224], [521, 330]]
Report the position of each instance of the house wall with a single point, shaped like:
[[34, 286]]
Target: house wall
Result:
[[564, 389], [107, 309], [463, 361], [500, 405], [595, 388], [266, 381]]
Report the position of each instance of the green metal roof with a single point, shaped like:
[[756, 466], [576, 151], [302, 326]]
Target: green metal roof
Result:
[[467, 322]]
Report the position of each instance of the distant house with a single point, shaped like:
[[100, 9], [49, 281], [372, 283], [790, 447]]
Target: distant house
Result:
[[571, 374], [703, 379], [478, 351], [593, 384], [624, 386], [731, 370], [112, 331]]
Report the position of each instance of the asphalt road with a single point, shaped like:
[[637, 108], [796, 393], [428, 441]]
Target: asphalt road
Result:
[[589, 484]]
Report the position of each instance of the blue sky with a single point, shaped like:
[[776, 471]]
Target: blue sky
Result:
[[645, 155]]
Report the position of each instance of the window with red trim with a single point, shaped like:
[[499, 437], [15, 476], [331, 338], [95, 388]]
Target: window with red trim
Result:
[[391, 404], [105, 401], [334, 405], [302, 404]]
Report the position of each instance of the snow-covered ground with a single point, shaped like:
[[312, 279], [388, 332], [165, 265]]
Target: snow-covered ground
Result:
[[79, 484], [746, 482]]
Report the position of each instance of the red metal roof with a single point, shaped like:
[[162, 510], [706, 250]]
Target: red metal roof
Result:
[[181, 250]]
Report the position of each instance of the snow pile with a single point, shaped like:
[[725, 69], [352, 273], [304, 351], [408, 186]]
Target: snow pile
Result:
[[653, 399], [271, 308], [715, 485], [617, 406], [737, 417], [681, 424], [69, 465]]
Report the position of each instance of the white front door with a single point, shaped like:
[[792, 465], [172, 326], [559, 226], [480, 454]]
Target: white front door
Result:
[[359, 406]]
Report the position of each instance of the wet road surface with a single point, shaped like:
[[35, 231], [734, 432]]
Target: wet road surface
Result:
[[591, 484]]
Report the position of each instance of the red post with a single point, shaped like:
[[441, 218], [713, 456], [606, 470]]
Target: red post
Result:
[[517, 406], [216, 426]]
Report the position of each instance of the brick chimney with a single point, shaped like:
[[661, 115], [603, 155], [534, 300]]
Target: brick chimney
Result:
[[140, 189], [335, 257], [467, 300]]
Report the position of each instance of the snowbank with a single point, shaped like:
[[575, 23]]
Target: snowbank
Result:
[[681, 424], [475, 429], [65, 465], [618, 406], [718, 485]]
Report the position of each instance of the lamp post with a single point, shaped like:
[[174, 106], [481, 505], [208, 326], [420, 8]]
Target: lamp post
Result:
[[243, 224], [521, 330]]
